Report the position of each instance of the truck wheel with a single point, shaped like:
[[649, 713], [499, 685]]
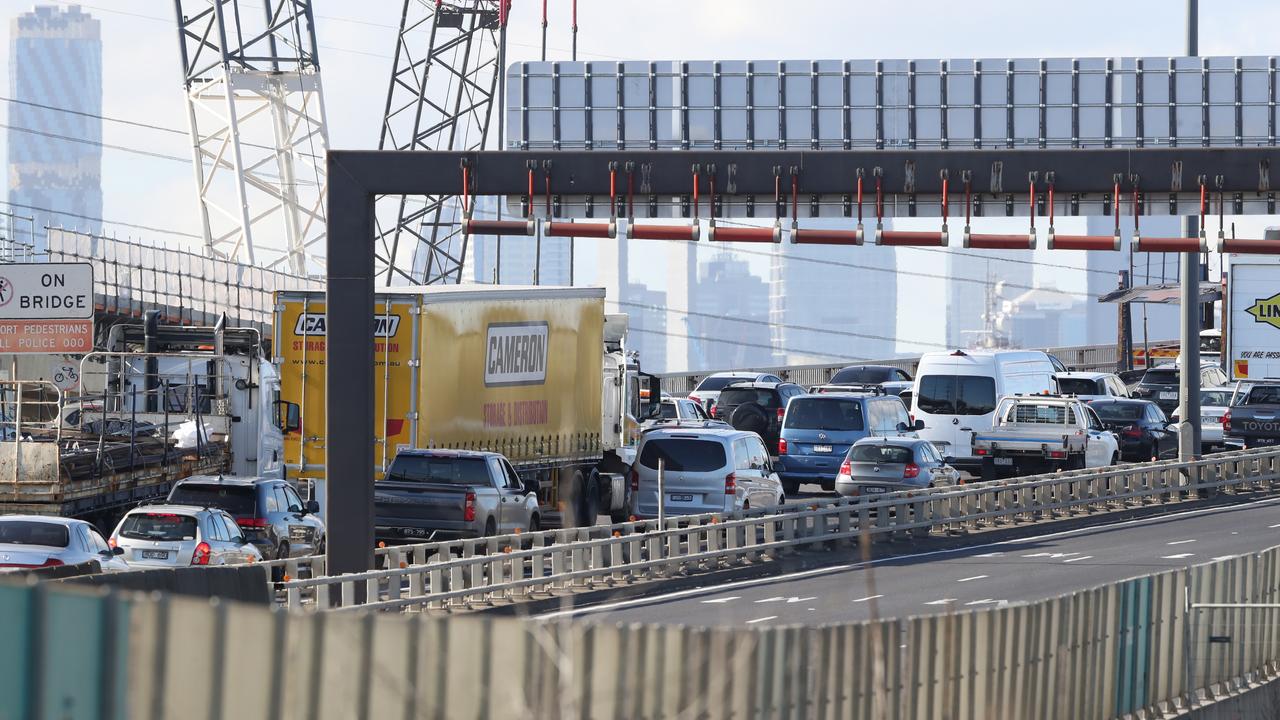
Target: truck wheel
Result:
[[590, 501], [490, 528], [619, 516]]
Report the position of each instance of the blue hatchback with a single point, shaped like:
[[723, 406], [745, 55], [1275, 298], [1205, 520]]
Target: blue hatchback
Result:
[[818, 430]]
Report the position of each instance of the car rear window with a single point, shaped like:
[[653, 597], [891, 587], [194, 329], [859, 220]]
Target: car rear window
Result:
[[1263, 396], [1160, 377], [669, 411], [1119, 411], [440, 469], [742, 396], [1081, 386], [863, 375], [717, 383], [816, 414], [683, 454], [34, 532], [882, 454], [1215, 398], [1039, 413], [957, 395], [159, 526], [239, 500]]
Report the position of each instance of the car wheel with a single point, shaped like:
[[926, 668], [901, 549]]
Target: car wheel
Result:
[[490, 528], [791, 487], [1115, 458], [535, 524], [282, 551]]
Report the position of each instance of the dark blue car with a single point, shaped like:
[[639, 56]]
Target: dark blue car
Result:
[[818, 430]]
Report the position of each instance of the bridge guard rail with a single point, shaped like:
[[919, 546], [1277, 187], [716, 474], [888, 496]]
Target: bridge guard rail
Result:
[[1121, 649]]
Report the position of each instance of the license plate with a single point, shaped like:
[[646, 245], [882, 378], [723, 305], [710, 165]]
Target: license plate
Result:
[[822, 448], [1002, 461], [302, 533], [1209, 421], [681, 498], [413, 532], [872, 489], [1168, 396], [155, 554], [1256, 442]]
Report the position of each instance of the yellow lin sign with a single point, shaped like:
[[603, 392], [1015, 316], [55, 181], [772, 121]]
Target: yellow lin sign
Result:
[[1267, 311]]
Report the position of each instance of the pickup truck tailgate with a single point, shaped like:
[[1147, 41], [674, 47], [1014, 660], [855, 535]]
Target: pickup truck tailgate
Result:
[[418, 505]]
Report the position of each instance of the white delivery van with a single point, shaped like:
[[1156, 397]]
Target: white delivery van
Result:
[[955, 394]]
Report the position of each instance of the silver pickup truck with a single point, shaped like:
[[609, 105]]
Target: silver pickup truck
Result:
[[451, 494], [1043, 433]]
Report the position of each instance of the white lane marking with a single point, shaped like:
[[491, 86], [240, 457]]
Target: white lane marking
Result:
[[975, 577], [832, 569], [1223, 557], [771, 617], [1274, 526], [772, 599], [1082, 557], [869, 597], [943, 601], [1051, 556], [717, 601], [1180, 542], [988, 601], [800, 599], [1179, 556], [990, 554]]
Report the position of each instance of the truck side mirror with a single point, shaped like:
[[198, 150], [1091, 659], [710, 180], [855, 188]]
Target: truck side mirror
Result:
[[288, 416], [312, 507], [650, 397]]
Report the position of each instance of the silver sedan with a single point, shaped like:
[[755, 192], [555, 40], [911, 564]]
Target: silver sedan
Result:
[[37, 541], [878, 465]]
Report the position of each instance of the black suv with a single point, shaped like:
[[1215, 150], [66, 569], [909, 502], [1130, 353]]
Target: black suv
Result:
[[756, 407], [268, 511], [1160, 384]]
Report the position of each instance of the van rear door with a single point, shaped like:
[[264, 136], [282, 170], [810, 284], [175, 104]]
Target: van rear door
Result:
[[951, 406]]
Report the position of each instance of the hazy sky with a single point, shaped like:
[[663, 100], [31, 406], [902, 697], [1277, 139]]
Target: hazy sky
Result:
[[142, 74]]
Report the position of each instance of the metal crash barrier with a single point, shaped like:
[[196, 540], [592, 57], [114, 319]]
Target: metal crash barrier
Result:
[[1147, 647], [530, 566]]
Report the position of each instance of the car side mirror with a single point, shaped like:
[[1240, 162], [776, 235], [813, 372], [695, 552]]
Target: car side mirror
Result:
[[312, 507], [919, 425], [240, 540], [948, 459], [902, 427]]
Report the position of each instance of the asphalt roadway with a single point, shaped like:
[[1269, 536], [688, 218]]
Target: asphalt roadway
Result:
[[829, 586]]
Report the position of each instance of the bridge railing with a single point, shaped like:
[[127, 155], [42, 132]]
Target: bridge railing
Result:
[[515, 568], [1137, 648]]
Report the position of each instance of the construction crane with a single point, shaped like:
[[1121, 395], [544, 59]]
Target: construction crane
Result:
[[444, 81], [258, 130]]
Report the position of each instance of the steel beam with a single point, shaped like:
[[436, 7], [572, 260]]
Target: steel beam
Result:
[[823, 172]]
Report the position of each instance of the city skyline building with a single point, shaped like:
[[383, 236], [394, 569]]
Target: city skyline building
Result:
[[55, 66]]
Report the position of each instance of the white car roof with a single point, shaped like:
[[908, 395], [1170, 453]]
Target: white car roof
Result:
[[1083, 374], [52, 520], [191, 510], [890, 440]]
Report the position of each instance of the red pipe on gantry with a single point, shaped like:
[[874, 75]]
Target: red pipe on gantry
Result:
[[804, 236], [687, 233], [720, 233], [904, 238], [497, 227], [1170, 244], [582, 230], [1250, 247], [1085, 242], [987, 241]]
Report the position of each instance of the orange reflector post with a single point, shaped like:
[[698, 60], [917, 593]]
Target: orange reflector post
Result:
[[1083, 242], [982, 241], [584, 230], [497, 227], [909, 238], [1175, 244], [688, 233], [826, 237], [1251, 247], [772, 234]]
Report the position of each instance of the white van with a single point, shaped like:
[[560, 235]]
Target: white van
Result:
[[955, 393]]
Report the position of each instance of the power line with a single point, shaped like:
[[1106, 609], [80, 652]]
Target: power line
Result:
[[97, 143], [785, 326], [746, 343], [167, 231]]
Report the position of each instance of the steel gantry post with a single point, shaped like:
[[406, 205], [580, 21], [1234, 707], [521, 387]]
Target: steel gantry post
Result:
[[1189, 297], [443, 83]]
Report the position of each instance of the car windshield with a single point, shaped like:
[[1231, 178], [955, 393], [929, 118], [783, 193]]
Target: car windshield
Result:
[[818, 414], [1119, 411], [683, 454], [34, 532], [1160, 377], [1215, 398], [1080, 386], [439, 469], [957, 395], [861, 375], [717, 383], [742, 396], [159, 526], [239, 500], [881, 454]]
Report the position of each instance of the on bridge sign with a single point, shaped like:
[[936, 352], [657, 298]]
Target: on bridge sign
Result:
[[46, 308]]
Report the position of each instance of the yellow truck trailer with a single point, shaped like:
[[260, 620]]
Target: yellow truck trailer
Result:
[[525, 371]]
